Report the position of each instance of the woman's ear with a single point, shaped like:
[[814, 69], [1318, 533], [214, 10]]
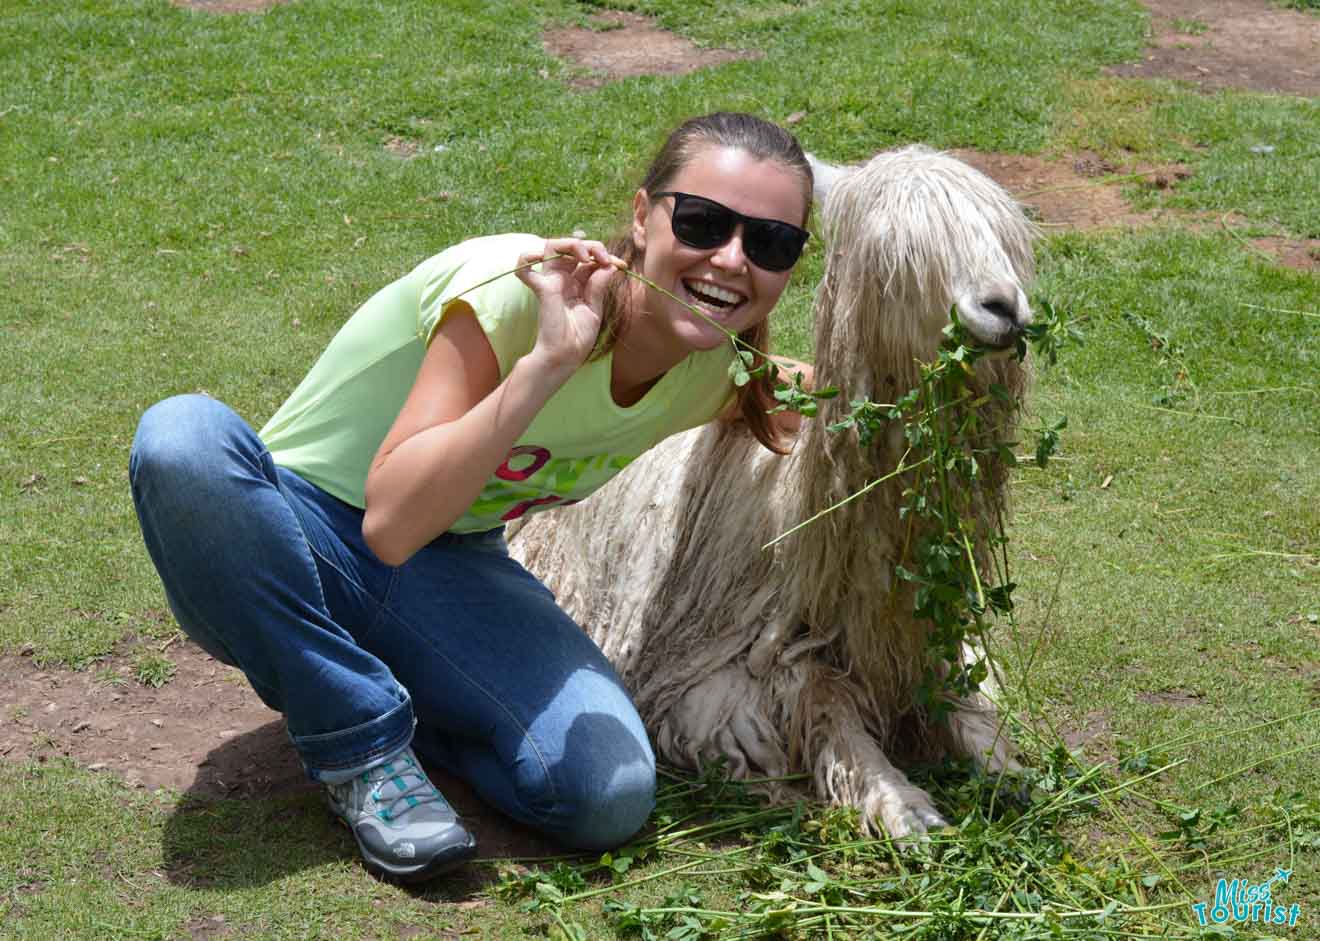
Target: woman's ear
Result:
[[641, 209]]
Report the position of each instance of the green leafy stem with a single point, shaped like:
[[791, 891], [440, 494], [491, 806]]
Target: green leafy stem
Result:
[[944, 463]]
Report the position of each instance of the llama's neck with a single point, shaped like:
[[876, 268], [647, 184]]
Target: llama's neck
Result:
[[852, 551], [843, 571]]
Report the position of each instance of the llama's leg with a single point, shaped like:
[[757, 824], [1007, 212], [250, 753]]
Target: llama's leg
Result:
[[723, 716], [977, 731], [851, 769]]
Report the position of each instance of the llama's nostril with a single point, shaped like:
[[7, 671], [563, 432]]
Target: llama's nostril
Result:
[[1001, 300]]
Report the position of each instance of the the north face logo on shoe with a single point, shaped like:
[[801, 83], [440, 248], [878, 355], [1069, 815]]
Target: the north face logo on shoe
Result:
[[405, 851]]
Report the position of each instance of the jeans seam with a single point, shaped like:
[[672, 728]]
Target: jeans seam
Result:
[[296, 506], [358, 759], [318, 737], [526, 732], [383, 608], [330, 563]]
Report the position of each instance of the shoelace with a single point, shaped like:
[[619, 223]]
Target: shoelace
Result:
[[400, 773]]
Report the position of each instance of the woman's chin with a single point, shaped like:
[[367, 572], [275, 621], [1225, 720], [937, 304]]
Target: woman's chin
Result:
[[704, 337], [705, 334]]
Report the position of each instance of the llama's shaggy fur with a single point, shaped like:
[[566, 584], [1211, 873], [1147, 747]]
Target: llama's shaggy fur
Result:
[[806, 657]]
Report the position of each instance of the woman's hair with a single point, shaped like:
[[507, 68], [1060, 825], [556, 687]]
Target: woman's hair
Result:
[[760, 139]]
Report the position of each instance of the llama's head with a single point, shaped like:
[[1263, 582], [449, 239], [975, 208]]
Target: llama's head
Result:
[[909, 235]]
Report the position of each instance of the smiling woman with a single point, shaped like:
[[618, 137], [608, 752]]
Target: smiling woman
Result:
[[711, 255], [350, 558], [730, 174]]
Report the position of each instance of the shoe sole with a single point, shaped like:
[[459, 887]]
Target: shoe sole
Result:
[[436, 867]]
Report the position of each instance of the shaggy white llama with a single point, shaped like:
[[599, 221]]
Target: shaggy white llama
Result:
[[806, 657]]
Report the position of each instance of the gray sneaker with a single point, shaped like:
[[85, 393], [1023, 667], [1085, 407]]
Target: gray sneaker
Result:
[[403, 826]]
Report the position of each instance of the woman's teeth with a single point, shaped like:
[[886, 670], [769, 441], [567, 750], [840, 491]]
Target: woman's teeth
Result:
[[712, 295]]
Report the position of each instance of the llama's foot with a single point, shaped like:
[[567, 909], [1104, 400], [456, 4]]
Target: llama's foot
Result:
[[852, 769], [908, 815]]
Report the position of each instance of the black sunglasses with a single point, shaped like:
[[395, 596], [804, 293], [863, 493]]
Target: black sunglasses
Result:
[[703, 223]]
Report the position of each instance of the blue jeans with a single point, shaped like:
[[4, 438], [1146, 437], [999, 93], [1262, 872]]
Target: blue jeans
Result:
[[269, 573]]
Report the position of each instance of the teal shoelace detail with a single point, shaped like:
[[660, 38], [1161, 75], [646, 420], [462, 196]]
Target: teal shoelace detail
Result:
[[411, 787]]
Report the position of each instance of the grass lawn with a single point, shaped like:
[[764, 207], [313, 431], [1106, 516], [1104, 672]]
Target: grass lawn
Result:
[[191, 201]]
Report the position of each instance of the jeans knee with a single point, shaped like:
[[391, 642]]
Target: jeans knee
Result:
[[615, 817], [181, 442], [603, 812], [166, 435]]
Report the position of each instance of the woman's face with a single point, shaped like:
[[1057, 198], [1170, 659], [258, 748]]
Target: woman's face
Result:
[[721, 281]]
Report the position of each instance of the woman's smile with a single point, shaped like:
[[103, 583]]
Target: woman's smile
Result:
[[719, 302]]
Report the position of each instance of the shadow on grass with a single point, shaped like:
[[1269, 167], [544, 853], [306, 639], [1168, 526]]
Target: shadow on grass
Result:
[[251, 817]]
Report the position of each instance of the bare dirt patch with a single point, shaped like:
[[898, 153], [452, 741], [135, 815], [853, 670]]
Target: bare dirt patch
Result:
[[1085, 192], [1093, 734], [229, 6], [1302, 254], [403, 148], [1172, 697], [1249, 44], [204, 733], [152, 738], [1081, 192], [627, 44], [206, 928]]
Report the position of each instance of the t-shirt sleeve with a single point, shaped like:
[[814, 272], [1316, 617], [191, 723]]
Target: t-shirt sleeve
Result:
[[474, 273]]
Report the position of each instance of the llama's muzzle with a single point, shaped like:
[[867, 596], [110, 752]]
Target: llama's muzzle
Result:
[[995, 313]]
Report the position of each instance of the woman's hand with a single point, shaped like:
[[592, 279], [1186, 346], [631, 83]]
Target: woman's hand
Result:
[[570, 288]]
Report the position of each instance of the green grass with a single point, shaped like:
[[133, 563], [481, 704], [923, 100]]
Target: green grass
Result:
[[1202, 545], [1250, 154], [197, 202]]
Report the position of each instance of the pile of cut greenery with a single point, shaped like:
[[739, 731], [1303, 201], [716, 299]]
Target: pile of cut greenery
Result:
[[1016, 864]]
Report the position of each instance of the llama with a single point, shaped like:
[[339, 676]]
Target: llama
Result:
[[806, 657]]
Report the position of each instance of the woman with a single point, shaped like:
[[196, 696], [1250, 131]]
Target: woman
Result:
[[350, 558]]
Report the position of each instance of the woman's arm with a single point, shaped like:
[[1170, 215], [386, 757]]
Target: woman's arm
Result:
[[787, 367], [788, 422], [460, 420]]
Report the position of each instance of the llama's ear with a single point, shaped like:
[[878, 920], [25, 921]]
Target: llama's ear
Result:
[[824, 176]]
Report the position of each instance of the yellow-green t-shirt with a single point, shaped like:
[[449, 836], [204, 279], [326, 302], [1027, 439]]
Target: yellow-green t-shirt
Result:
[[330, 428]]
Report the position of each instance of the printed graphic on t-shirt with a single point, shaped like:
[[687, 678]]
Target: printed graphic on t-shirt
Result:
[[531, 479]]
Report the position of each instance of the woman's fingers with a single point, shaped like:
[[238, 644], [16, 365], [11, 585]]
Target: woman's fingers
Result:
[[561, 252], [570, 281], [577, 258], [598, 280], [584, 271], [585, 251], [526, 275]]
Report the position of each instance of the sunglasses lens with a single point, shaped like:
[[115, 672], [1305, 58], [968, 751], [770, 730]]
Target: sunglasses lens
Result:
[[772, 246], [702, 223]]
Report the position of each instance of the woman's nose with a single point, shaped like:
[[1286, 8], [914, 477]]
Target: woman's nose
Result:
[[729, 256]]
